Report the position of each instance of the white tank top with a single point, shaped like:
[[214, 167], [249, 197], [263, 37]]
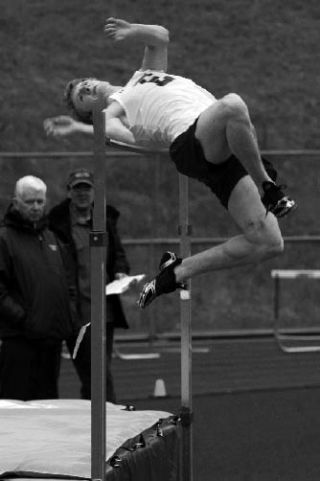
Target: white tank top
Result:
[[159, 106]]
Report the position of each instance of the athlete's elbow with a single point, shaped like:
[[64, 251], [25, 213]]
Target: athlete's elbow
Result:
[[167, 35], [163, 35]]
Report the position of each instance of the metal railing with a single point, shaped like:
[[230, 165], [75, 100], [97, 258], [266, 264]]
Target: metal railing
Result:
[[120, 153]]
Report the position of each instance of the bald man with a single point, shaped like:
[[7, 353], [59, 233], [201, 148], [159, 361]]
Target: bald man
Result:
[[34, 302]]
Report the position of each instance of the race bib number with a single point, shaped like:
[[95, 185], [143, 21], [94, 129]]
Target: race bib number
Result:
[[158, 79]]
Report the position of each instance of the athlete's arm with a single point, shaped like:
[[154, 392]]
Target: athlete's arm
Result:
[[154, 37], [115, 128], [64, 125]]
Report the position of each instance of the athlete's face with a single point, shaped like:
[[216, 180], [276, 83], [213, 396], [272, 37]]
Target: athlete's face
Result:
[[86, 93]]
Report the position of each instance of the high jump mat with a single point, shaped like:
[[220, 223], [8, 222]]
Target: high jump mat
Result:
[[51, 439]]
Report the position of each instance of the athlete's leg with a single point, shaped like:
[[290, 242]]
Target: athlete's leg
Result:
[[260, 239], [224, 128]]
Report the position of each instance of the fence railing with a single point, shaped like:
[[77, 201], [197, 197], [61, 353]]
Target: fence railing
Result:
[[119, 153], [145, 241]]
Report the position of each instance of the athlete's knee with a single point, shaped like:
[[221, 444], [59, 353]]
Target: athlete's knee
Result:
[[274, 245], [234, 107], [265, 236]]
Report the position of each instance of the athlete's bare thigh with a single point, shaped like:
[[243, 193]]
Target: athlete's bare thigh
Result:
[[211, 132]]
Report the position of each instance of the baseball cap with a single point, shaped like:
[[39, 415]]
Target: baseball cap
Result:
[[80, 176]]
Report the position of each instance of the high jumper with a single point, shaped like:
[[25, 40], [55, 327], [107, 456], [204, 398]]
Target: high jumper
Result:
[[209, 139]]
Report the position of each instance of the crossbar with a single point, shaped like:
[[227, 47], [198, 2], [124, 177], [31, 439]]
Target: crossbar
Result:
[[140, 149]]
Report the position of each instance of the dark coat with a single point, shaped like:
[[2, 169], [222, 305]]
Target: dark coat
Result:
[[60, 223], [34, 300]]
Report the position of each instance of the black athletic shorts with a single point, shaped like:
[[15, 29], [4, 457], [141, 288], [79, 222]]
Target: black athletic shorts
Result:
[[186, 152]]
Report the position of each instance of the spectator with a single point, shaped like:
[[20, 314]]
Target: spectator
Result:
[[71, 220], [34, 303]]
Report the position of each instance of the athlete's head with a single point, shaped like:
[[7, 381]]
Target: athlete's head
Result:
[[80, 95]]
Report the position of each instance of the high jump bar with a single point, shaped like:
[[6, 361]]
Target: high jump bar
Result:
[[98, 307]]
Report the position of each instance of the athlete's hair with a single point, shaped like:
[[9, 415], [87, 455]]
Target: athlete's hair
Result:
[[85, 117]]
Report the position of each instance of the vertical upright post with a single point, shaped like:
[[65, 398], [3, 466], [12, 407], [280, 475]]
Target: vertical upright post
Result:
[[98, 244], [276, 307], [152, 321], [276, 296], [186, 337]]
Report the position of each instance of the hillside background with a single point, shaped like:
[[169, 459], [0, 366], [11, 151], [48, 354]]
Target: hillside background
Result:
[[267, 51]]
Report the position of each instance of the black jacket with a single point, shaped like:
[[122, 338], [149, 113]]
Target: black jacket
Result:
[[34, 299], [60, 223]]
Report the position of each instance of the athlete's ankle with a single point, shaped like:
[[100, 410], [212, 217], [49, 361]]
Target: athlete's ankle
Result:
[[266, 184]]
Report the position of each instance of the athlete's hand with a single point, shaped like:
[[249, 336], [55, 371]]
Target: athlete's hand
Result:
[[117, 29], [60, 126]]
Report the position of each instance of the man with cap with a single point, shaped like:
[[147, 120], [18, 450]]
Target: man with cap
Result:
[[71, 220]]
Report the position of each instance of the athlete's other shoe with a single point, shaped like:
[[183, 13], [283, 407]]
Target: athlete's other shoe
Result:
[[164, 282], [275, 200]]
